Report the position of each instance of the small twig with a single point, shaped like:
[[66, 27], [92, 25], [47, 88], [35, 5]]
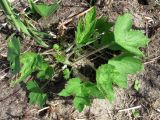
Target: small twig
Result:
[[152, 60], [72, 18], [3, 76], [45, 108], [50, 51], [132, 108]]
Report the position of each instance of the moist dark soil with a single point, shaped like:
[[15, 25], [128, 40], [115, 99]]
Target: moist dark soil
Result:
[[146, 16]]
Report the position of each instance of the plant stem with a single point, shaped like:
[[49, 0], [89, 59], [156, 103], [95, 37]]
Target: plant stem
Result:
[[7, 8], [42, 88], [99, 49]]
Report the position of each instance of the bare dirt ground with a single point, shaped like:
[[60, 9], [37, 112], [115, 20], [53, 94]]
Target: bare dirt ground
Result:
[[146, 15]]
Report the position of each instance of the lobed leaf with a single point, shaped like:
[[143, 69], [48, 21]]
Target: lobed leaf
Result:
[[13, 55], [85, 30], [73, 87], [36, 96], [29, 61], [128, 39], [126, 63], [105, 75], [83, 91], [33, 62], [116, 72], [79, 102]]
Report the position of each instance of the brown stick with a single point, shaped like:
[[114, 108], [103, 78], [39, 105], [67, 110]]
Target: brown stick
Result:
[[152, 60], [74, 16]]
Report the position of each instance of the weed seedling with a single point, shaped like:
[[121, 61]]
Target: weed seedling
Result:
[[98, 33]]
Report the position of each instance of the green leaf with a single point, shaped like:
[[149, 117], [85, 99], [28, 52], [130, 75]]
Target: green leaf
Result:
[[106, 36], [45, 72], [85, 30], [136, 113], [102, 25], [66, 73], [116, 72], [73, 88], [43, 9], [5, 4], [13, 55], [129, 39], [83, 91], [22, 27], [90, 19], [36, 96], [126, 63], [79, 102], [56, 47], [32, 62], [29, 62], [137, 85], [105, 76], [59, 57], [92, 90], [121, 80]]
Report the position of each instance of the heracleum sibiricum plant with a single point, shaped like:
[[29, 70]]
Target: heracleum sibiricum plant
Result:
[[114, 73], [90, 30]]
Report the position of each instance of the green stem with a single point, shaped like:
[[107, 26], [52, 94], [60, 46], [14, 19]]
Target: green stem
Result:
[[42, 88], [8, 10], [7, 7], [99, 49]]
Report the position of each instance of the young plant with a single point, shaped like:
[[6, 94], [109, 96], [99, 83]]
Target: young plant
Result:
[[90, 30], [26, 64], [117, 69]]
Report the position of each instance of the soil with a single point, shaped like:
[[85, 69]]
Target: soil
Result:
[[146, 16]]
